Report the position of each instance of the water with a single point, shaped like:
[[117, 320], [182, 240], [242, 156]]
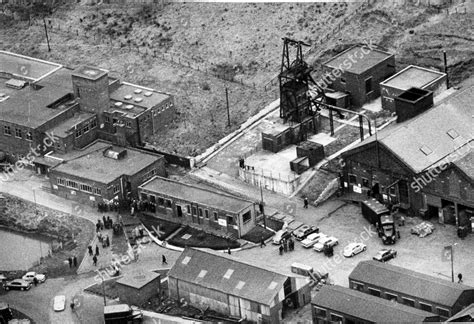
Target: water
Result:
[[19, 251]]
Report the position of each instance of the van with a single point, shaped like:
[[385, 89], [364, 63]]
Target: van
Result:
[[281, 235], [122, 314]]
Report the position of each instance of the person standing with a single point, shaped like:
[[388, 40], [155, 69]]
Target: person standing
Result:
[[262, 243], [305, 202], [70, 262], [90, 250], [285, 245], [74, 261], [35, 281], [460, 278], [94, 259], [163, 259], [107, 241], [281, 249], [96, 250]]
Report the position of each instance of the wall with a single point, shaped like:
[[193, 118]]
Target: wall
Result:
[[134, 296], [143, 175], [163, 114], [286, 184], [92, 95]]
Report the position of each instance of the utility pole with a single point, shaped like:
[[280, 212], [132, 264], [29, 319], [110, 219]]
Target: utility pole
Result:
[[452, 261], [227, 102], [46, 31], [446, 69], [262, 207]]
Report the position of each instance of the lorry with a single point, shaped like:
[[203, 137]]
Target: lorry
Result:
[[122, 314], [377, 214]]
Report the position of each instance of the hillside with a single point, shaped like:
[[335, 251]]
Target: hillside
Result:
[[181, 47]]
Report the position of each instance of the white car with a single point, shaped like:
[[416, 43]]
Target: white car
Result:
[[325, 241], [312, 239], [354, 248], [281, 235], [29, 276], [59, 303]]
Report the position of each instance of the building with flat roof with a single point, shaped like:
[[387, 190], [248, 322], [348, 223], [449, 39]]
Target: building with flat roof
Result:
[[137, 287], [333, 304], [415, 289], [236, 288], [358, 71], [409, 77], [101, 172], [200, 207]]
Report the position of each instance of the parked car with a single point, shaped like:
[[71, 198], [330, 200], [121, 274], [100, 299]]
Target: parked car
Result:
[[29, 276], [302, 232], [423, 229], [354, 248], [385, 255], [312, 239], [59, 303], [280, 236], [325, 241], [18, 284]]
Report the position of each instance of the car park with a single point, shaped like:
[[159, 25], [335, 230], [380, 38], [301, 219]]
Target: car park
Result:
[[354, 248], [312, 239], [59, 303], [30, 276], [303, 231], [385, 255], [19, 284], [281, 235], [325, 241]]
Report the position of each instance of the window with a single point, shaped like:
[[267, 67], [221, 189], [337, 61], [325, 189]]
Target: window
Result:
[[71, 184], [7, 130], [161, 201], [86, 129], [368, 85], [391, 296], [374, 292], [230, 220], [107, 119], [78, 132], [29, 136], [128, 124], [152, 199], [442, 312], [357, 286], [365, 183], [85, 187], [425, 307], [200, 212], [336, 318], [97, 191], [206, 213], [168, 203], [94, 123], [188, 209], [352, 179], [319, 312], [194, 211], [61, 181], [18, 133], [247, 217], [408, 302], [215, 216], [116, 189]]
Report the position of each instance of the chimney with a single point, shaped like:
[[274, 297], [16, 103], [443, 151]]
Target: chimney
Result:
[[412, 102]]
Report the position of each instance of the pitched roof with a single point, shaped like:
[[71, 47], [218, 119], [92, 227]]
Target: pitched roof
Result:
[[227, 274], [197, 194], [370, 59], [364, 306], [408, 282], [466, 164], [432, 136]]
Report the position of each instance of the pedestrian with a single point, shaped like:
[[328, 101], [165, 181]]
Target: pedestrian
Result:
[[94, 259], [72, 305], [281, 249], [285, 245], [163, 259], [140, 231], [90, 250], [101, 226], [74, 261], [35, 281], [70, 262], [262, 243], [228, 250], [291, 245], [398, 234], [96, 250], [103, 219], [460, 278], [107, 241]]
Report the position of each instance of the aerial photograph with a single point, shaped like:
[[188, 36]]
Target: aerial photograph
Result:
[[174, 161]]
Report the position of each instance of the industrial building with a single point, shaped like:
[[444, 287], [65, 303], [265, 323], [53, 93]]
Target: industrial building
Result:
[[333, 304], [357, 72], [424, 164], [196, 206], [411, 77], [225, 284], [431, 294]]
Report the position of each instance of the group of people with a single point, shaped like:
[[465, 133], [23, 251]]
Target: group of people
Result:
[[91, 253], [106, 222], [142, 205], [72, 261], [286, 245], [110, 206]]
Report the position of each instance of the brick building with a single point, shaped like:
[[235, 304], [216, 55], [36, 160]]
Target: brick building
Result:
[[225, 284], [358, 71], [189, 204], [138, 287], [414, 289]]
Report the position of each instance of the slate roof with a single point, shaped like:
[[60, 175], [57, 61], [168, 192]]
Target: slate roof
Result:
[[408, 282], [429, 132], [364, 306], [243, 280], [357, 66], [196, 194]]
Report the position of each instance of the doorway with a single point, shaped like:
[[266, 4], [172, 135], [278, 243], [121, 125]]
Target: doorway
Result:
[[179, 211]]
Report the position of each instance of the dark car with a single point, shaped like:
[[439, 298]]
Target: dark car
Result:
[[302, 232], [19, 284], [385, 255]]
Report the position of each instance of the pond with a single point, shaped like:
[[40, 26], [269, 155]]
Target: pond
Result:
[[20, 251]]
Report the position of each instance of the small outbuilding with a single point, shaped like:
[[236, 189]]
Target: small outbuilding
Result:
[[137, 287]]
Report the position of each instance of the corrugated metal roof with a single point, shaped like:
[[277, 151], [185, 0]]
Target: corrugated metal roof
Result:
[[367, 307], [408, 282], [228, 274]]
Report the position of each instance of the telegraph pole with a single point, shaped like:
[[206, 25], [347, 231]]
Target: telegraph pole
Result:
[[446, 69], [227, 102], [46, 31], [262, 204]]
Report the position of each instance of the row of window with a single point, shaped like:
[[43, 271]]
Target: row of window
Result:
[[366, 184], [149, 174], [8, 131], [80, 131], [78, 186]]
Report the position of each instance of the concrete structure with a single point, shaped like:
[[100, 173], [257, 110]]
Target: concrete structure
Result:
[[358, 71], [409, 77], [189, 204], [424, 164], [333, 304], [235, 288], [137, 287], [101, 172], [411, 288]]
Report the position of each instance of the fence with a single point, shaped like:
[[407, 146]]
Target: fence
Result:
[[269, 180]]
